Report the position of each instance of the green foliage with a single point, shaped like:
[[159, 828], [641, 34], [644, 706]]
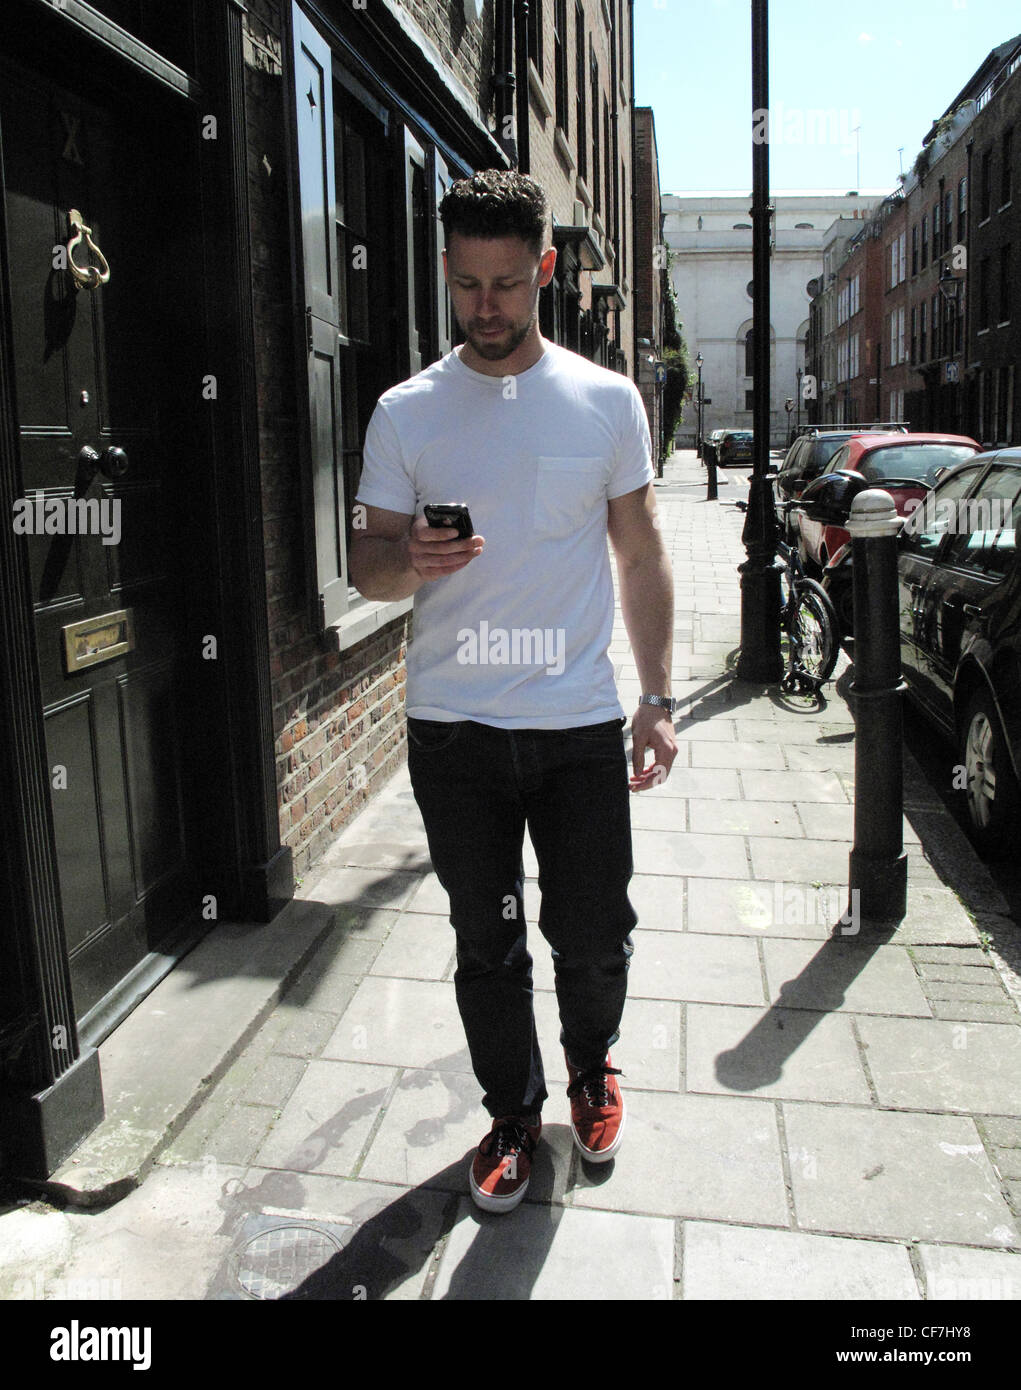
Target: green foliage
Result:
[[675, 356]]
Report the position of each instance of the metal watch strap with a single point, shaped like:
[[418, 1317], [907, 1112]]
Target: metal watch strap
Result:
[[665, 701]]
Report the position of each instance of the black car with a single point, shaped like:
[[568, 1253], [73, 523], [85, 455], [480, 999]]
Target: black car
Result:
[[734, 447], [959, 585]]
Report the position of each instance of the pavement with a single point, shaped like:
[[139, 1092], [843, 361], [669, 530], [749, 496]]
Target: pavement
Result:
[[817, 1108]]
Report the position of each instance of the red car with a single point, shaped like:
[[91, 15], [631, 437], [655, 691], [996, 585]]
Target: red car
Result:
[[904, 465]]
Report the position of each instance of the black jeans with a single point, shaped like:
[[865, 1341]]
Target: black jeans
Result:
[[476, 787]]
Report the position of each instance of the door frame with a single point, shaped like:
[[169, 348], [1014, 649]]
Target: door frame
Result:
[[49, 1076]]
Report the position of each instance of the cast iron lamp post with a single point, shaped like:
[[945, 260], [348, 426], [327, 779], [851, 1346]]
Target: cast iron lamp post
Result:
[[698, 400], [760, 659]]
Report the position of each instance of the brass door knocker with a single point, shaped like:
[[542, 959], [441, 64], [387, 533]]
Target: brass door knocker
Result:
[[90, 276]]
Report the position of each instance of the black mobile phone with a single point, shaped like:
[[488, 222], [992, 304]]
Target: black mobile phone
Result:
[[450, 514]]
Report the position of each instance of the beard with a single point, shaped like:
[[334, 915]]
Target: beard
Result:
[[496, 349]]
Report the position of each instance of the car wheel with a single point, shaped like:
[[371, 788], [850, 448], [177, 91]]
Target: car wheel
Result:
[[993, 795]]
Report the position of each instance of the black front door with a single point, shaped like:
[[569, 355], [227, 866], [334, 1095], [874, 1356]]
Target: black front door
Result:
[[98, 399]]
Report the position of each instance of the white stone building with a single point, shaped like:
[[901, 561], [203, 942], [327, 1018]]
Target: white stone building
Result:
[[710, 236]]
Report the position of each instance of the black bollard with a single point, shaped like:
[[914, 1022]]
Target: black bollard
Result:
[[711, 495], [878, 864]]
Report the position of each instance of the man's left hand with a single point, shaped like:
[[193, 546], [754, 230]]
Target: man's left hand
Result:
[[652, 729]]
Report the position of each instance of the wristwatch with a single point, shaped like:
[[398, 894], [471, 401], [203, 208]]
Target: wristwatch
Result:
[[664, 700]]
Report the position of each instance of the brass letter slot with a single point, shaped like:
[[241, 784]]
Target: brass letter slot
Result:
[[98, 639]]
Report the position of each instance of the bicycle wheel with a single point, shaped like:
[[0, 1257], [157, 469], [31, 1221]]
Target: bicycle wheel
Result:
[[812, 630]]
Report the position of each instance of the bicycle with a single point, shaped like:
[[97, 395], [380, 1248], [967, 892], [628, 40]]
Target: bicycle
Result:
[[808, 620]]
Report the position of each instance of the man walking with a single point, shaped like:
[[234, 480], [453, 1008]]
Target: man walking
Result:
[[513, 715]]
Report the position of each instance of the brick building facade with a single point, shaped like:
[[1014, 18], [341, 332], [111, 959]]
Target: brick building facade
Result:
[[948, 288], [650, 267], [994, 255]]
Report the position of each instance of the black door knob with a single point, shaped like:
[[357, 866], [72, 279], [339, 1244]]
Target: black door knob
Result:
[[113, 462]]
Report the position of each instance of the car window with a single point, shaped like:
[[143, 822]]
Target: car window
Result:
[[930, 521], [918, 461], [838, 458], [793, 455], [985, 537], [825, 449]]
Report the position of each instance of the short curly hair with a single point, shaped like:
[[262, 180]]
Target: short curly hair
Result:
[[496, 203]]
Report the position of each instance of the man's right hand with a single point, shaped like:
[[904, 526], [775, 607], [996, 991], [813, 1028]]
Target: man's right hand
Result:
[[436, 550]]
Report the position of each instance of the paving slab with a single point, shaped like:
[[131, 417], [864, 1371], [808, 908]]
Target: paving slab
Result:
[[402, 1023], [650, 811], [695, 965], [744, 818], [955, 1272], [799, 861], [785, 1053], [761, 785], [723, 1262], [708, 1156], [737, 755], [556, 1254], [804, 731], [328, 1118], [418, 948], [897, 1175], [769, 908], [843, 975], [716, 856], [930, 1064], [658, 899]]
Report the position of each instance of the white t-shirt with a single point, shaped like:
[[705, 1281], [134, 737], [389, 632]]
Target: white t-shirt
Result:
[[518, 638]]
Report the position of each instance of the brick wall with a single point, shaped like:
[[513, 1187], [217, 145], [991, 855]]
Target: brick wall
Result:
[[551, 170], [337, 716], [464, 47], [647, 237]]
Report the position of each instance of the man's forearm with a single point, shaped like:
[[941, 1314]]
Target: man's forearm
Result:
[[647, 606], [382, 569]]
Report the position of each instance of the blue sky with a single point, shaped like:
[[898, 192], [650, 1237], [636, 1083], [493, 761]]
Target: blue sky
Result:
[[888, 66]]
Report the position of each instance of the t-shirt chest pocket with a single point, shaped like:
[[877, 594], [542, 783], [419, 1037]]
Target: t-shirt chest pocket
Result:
[[567, 490]]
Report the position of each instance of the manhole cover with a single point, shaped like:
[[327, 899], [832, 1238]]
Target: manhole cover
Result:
[[276, 1261]]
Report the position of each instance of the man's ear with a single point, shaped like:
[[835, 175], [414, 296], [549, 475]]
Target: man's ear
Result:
[[546, 265]]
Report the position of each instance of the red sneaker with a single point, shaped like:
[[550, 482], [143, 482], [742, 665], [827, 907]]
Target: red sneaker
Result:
[[597, 1110], [503, 1163]]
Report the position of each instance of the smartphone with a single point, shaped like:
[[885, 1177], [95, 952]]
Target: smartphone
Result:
[[450, 514]]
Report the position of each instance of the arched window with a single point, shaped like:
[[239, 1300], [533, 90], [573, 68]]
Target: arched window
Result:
[[801, 343], [745, 339]]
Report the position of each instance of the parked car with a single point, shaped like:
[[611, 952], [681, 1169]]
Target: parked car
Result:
[[734, 447], [959, 585], [810, 453], [905, 465]]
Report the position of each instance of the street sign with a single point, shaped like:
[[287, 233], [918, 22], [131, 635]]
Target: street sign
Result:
[[661, 371], [953, 371]]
